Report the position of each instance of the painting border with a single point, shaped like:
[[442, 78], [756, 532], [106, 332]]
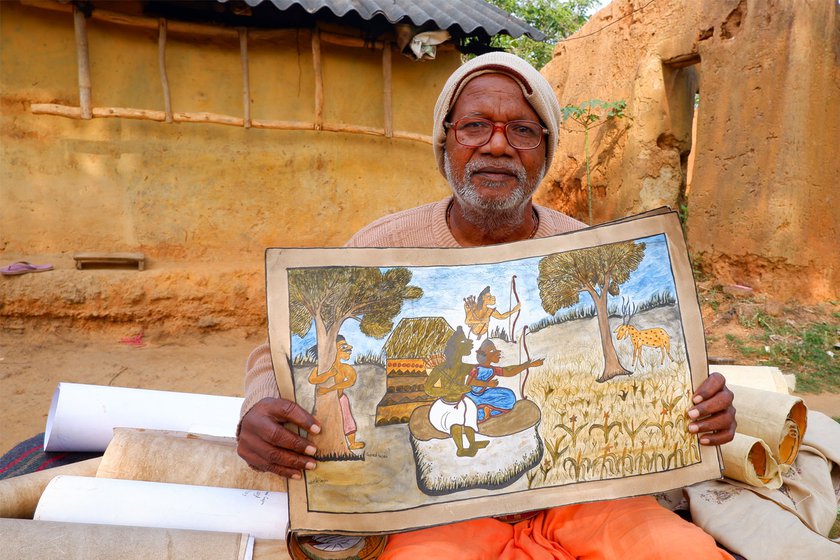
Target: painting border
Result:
[[662, 221]]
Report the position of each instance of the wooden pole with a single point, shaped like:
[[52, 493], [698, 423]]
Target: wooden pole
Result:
[[319, 79], [246, 87], [386, 78], [164, 80], [80, 27], [215, 118]]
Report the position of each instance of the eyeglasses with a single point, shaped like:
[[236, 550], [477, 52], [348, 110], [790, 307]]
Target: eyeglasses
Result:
[[475, 132]]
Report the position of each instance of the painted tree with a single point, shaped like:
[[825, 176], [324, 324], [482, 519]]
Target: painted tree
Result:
[[327, 297], [598, 271]]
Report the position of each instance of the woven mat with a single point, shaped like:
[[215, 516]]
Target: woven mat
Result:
[[28, 456]]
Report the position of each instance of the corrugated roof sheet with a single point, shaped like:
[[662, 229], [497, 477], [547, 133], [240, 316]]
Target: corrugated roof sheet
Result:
[[471, 16]]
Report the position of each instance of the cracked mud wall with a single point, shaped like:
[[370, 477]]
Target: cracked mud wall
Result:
[[761, 205]]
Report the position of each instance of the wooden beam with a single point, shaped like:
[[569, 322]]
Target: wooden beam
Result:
[[682, 60], [97, 112], [319, 79], [83, 61], [246, 86], [215, 118], [386, 94], [164, 80]]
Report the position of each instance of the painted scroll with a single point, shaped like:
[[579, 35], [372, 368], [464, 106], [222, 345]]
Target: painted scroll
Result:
[[461, 383]]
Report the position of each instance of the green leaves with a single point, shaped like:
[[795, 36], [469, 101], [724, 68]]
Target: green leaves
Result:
[[593, 111], [562, 276], [556, 18], [333, 295]]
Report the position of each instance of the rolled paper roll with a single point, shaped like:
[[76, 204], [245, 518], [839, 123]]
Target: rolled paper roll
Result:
[[106, 501], [748, 459], [182, 458], [19, 495], [778, 420], [25, 539], [82, 417]]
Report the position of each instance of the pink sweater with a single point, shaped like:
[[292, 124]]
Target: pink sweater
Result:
[[424, 226]]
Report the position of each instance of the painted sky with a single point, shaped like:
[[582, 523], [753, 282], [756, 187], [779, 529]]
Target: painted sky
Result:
[[446, 287]]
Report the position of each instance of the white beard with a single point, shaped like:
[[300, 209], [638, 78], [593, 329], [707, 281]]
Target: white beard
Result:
[[490, 215]]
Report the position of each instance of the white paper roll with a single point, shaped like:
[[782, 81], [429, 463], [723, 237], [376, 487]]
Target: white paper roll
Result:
[[108, 501], [82, 417]]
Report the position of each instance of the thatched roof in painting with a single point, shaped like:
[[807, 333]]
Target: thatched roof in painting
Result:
[[418, 337]]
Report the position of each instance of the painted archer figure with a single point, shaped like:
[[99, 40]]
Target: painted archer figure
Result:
[[478, 312], [490, 399]]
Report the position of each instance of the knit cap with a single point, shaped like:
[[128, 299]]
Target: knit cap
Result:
[[536, 89]]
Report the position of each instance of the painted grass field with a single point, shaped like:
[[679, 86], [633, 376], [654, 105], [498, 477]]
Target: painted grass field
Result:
[[629, 425]]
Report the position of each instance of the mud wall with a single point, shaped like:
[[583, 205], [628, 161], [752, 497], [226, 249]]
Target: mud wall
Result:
[[201, 201], [764, 77], [201, 191]]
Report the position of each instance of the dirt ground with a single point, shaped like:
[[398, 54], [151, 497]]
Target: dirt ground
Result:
[[34, 360], [32, 363]]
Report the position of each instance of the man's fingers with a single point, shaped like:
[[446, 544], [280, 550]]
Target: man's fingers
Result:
[[283, 410], [265, 456], [716, 429], [717, 403], [713, 416], [276, 435], [291, 467], [710, 386]]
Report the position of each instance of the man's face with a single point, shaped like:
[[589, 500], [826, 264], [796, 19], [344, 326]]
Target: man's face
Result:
[[494, 178]]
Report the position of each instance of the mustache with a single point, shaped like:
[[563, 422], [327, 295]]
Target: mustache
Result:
[[474, 166]]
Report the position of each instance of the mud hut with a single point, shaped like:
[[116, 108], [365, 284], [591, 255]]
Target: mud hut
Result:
[[199, 133]]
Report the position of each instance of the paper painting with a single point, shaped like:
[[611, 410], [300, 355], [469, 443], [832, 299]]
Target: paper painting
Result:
[[461, 383]]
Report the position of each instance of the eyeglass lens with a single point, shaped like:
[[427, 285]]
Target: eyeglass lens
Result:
[[477, 132]]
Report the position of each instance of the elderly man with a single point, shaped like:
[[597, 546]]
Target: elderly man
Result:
[[495, 132]]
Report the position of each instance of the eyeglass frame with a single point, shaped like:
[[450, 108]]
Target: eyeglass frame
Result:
[[496, 126]]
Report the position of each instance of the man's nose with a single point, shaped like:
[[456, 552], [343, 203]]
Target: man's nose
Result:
[[498, 144]]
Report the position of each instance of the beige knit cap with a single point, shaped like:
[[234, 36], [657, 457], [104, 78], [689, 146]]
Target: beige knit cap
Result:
[[536, 89]]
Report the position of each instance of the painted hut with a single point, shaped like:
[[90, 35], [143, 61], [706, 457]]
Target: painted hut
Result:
[[199, 133], [410, 353]]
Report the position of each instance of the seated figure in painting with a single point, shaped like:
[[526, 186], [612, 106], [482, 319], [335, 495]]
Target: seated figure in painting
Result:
[[452, 412], [490, 399]]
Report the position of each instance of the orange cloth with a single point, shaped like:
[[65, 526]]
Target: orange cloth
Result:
[[631, 528]]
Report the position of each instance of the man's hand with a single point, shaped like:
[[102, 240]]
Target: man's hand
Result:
[[713, 416], [266, 445]]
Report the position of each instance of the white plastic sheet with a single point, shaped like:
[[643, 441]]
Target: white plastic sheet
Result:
[[82, 417], [108, 501]]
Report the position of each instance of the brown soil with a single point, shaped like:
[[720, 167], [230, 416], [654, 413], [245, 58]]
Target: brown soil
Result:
[[34, 358]]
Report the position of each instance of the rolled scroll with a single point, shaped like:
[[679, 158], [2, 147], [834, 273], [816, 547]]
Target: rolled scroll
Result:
[[36, 540], [135, 503], [19, 495], [182, 458], [82, 417], [748, 459], [779, 420]]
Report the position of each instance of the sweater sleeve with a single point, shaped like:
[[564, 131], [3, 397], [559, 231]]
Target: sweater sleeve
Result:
[[259, 379]]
